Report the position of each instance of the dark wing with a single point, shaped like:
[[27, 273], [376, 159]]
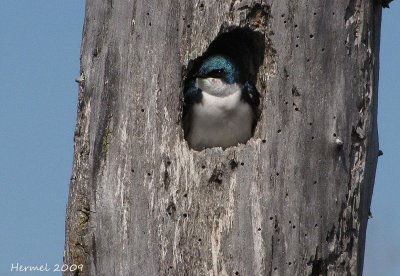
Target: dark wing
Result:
[[250, 94], [191, 95]]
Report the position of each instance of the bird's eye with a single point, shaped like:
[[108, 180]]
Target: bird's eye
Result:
[[218, 73]]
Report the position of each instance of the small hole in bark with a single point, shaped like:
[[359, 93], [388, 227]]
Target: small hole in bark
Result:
[[259, 229], [142, 110], [298, 36], [315, 13], [188, 25], [333, 13], [132, 170], [95, 52], [308, 60], [290, 222], [271, 218], [171, 208], [148, 174], [166, 180], [242, 164], [264, 141], [323, 49], [201, 6], [315, 182], [147, 13], [286, 195], [233, 164], [295, 92], [203, 166], [185, 215], [199, 240], [237, 273], [284, 21], [286, 102], [216, 177], [316, 225], [297, 109], [305, 235], [310, 124], [311, 36], [275, 268], [295, 26], [289, 263], [279, 131], [334, 135], [150, 24], [297, 45], [185, 195], [294, 226]]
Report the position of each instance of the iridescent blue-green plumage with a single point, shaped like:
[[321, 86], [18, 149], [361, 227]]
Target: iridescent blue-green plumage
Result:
[[229, 72]]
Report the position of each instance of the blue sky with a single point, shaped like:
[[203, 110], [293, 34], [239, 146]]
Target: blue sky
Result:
[[383, 234], [40, 45]]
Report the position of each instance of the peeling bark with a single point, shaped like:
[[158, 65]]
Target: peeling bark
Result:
[[293, 201]]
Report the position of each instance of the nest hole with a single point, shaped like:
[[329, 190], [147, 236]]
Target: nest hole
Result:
[[245, 49]]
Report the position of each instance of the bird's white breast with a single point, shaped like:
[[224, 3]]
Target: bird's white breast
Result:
[[220, 121]]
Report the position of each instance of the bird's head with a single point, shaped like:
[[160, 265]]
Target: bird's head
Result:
[[218, 67]]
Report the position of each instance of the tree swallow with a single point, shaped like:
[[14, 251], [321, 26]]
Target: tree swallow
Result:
[[220, 110]]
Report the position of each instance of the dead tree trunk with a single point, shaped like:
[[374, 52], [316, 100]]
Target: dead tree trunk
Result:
[[293, 201]]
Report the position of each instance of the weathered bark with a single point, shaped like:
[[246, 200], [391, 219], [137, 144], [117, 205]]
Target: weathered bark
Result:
[[292, 201]]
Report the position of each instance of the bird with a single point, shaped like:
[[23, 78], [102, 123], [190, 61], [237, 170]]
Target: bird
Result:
[[220, 109]]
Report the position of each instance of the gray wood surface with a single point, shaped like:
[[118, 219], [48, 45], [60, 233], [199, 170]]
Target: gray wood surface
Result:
[[292, 201]]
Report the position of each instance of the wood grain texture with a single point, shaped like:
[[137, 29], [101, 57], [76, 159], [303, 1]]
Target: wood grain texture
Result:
[[292, 201]]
